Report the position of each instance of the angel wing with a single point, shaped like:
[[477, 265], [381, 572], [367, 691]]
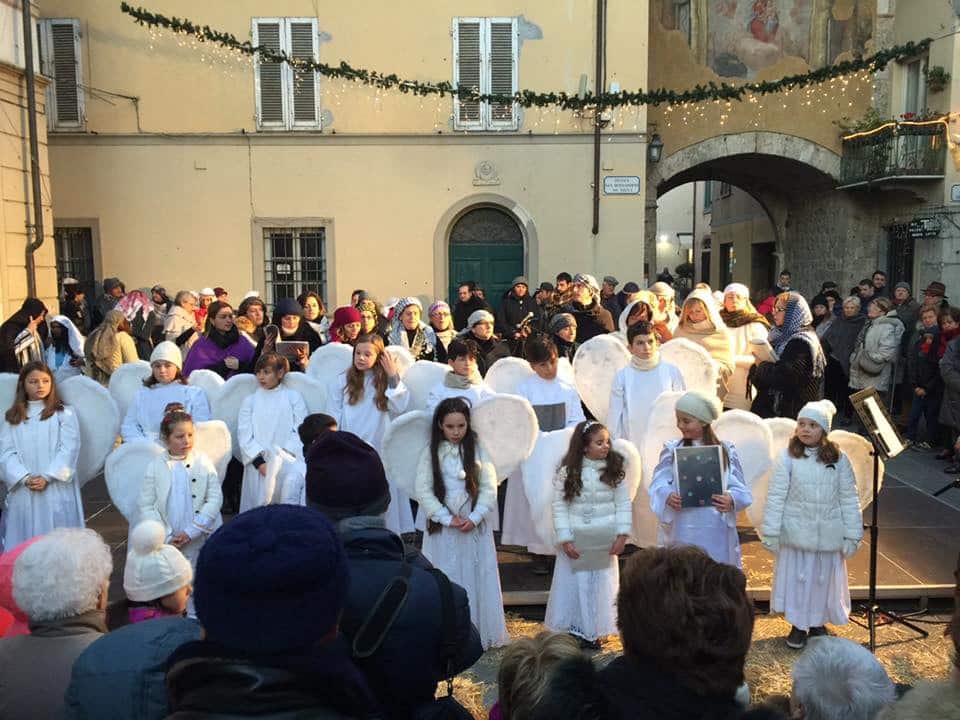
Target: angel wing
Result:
[[781, 430], [125, 381], [752, 438], [538, 472], [402, 357], [699, 370], [208, 381], [403, 441], [505, 375], [124, 471], [99, 420], [564, 371], [422, 378], [313, 391], [329, 360], [860, 453], [226, 406], [213, 440], [507, 428], [594, 367], [8, 389], [661, 428]]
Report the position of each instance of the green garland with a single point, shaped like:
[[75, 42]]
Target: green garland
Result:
[[529, 98]]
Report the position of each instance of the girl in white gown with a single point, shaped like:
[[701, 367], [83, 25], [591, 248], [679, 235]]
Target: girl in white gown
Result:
[[39, 447], [713, 529], [363, 400], [457, 490], [592, 510], [165, 385]]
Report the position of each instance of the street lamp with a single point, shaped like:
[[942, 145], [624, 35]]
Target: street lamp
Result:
[[655, 149]]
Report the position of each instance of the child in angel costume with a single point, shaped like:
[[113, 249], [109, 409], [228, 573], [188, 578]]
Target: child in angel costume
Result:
[[267, 433], [165, 385], [181, 489], [592, 518], [39, 449], [362, 400], [464, 378], [812, 522], [456, 487], [714, 528], [157, 578]]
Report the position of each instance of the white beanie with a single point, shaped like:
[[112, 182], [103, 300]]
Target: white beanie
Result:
[[154, 570], [208, 291], [737, 289], [705, 408], [251, 294], [820, 411], [169, 352], [479, 316]]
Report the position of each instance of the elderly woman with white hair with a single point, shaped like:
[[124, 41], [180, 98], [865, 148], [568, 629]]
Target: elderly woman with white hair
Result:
[[837, 679], [745, 324], [60, 582]]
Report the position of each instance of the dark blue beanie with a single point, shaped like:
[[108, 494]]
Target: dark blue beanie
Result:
[[345, 477], [273, 579], [287, 306]]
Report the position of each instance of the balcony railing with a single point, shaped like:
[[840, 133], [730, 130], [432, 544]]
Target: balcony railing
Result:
[[898, 151]]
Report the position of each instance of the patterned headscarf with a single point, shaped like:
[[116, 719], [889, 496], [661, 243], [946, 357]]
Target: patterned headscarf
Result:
[[798, 323]]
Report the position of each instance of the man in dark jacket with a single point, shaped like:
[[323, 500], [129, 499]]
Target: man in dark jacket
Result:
[[467, 304], [113, 290], [592, 318], [347, 483], [608, 297], [518, 314]]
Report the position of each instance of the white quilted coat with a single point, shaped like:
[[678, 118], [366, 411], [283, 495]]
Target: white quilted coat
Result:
[[598, 504], [812, 506], [880, 340]]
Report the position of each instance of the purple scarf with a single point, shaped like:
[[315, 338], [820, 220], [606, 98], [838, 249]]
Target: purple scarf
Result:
[[206, 354]]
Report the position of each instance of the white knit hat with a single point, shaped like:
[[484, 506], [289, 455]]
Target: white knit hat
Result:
[[820, 411], [251, 294], [169, 352], [153, 569], [705, 408], [737, 289], [208, 291], [479, 316]]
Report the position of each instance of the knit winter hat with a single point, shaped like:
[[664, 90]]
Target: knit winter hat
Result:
[[611, 280], [661, 289], [251, 294], [479, 316], [287, 306], [738, 289], [903, 286], [562, 320], [631, 287], [438, 305], [819, 300], [208, 292], [153, 569], [705, 408], [272, 580], [589, 280], [403, 303], [345, 315], [820, 411], [110, 283], [345, 477], [168, 352], [520, 280]]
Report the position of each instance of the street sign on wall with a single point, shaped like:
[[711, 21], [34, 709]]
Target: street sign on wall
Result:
[[621, 185]]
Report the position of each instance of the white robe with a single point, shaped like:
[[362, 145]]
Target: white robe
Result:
[[49, 448], [64, 370], [369, 424], [544, 394], [146, 411], [267, 427], [743, 358], [707, 528], [474, 394], [633, 394]]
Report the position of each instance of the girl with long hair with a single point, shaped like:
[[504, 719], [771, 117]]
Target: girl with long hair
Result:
[[457, 489], [315, 313], [39, 447], [590, 498]]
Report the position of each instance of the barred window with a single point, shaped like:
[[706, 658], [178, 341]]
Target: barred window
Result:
[[295, 262]]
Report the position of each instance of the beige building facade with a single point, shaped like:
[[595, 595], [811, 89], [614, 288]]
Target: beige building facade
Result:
[[195, 167]]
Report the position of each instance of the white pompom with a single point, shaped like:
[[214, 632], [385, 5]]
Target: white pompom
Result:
[[462, 474], [147, 537]]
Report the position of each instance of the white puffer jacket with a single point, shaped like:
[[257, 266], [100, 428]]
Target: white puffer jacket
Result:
[[812, 506], [598, 504], [456, 501], [879, 340]]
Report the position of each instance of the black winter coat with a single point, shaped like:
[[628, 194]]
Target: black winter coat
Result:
[[923, 369], [463, 310], [787, 385], [78, 314], [491, 350], [512, 312], [405, 671], [950, 374], [592, 320]]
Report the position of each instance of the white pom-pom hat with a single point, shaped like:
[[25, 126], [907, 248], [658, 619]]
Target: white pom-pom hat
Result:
[[820, 411], [153, 569]]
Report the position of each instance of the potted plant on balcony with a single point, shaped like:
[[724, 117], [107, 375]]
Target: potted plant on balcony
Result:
[[937, 78]]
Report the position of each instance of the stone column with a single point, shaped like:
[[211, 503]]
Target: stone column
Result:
[[650, 235]]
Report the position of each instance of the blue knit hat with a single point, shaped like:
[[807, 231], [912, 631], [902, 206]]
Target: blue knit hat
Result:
[[273, 579], [287, 306], [345, 477]]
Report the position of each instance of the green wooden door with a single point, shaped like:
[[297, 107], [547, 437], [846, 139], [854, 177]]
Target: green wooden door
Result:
[[486, 246]]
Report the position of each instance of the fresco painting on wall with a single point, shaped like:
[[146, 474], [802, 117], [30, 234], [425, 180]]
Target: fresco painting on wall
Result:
[[749, 35]]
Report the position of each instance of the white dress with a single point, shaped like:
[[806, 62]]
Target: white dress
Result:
[[706, 527], [147, 409], [633, 394], [584, 602], [557, 406], [369, 424], [40, 447], [810, 588], [467, 558], [267, 427]]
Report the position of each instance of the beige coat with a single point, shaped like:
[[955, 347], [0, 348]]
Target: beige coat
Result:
[[125, 352]]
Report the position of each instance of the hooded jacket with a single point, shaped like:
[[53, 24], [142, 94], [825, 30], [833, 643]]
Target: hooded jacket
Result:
[[878, 344]]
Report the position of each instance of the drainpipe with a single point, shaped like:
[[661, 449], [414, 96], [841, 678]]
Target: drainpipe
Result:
[[598, 88], [30, 78]]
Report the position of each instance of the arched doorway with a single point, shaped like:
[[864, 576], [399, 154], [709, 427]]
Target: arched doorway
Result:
[[486, 246]]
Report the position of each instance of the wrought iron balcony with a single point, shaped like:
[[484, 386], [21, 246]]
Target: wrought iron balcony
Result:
[[905, 151]]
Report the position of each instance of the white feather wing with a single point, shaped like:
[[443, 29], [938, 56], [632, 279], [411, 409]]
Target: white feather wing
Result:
[[226, 406], [314, 392], [595, 366], [125, 381], [403, 442], [329, 360], [507, 428], [402, 357], [99, 421], [8, 389], [661, 428], [752, 439], [564, 371], [505, 375], [860, 453], [208, 381], [213, 440], [698, 369], [124, 471], [422, 378], [538, 473], [781, 430]]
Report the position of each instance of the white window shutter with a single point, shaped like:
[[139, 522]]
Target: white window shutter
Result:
[[503, 71], [467, 71], [60, 59], [303, 46], [269, 75]]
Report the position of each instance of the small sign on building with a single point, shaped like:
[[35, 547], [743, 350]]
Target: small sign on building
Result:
[[621, 185], [925, 227], [955, 193]]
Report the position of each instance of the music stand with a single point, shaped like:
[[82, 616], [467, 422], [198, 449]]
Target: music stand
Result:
[[888, 443]]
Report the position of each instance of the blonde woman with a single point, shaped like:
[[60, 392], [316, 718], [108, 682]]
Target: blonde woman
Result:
[[700, 322]]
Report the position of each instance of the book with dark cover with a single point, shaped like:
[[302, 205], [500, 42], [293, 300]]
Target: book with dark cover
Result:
[[699, 474]]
